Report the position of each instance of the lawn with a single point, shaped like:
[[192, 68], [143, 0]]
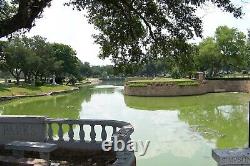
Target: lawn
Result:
[[13, 90], [162, 81]]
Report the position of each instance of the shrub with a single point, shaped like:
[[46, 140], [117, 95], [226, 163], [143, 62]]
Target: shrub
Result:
[[39, 83], [176, 73], [137, 85]]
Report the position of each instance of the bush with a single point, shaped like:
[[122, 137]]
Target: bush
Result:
[[137, 85], [39, 83], [59, 80], [176, 74], [188, 84]]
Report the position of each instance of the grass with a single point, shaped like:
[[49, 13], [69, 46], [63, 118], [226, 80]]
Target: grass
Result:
[[13, 90], [162, 82]]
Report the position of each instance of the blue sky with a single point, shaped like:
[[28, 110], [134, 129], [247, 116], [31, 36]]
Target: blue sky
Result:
[[64, 25]]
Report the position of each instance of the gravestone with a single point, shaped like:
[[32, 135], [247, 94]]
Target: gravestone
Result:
[[22, 128], [54, 80]]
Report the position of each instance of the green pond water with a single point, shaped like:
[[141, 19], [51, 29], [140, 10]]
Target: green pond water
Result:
[[181, 130]]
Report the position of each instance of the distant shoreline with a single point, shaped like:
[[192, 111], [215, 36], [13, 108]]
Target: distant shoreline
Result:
[[173, 90], [91, 81], [9, 98]]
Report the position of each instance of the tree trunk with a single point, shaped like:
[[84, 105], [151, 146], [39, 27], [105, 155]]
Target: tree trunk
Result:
[[25, 77], [29, 78], [17, 79]]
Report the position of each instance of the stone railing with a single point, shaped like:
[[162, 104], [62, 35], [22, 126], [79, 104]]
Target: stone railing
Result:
[[72, 134]]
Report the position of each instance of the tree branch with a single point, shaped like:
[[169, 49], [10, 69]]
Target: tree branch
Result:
[[28, 11]]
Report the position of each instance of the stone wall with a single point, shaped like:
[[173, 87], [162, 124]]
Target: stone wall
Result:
[[22, 128], [207, 86]]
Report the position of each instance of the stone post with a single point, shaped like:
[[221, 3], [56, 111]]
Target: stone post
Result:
[[232, 157], [200, 76]]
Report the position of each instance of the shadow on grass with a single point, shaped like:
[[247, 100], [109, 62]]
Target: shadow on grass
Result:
[[31, 87], [28, 87], [4, 88]]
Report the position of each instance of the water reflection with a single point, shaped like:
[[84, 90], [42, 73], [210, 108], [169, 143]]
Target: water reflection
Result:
[[220, 118], [182, 130], [62, 106]]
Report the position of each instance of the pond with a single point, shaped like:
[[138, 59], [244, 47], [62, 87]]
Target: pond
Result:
[[181, 130]]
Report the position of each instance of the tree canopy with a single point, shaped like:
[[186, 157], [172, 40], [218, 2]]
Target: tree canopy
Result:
[[226, 52], [38, 60], [130, 31]]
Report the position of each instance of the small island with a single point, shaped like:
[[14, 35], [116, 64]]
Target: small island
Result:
[[168, 87]]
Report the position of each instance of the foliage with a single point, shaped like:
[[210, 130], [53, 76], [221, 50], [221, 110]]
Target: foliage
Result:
[[231, 43], [162, 82], [68, 63], [85, 69], [37, 60], [102, 71], [209, 57], [226, 52], [13, 57], [19, 14], [130, 31], [137, 85], [176, 73]]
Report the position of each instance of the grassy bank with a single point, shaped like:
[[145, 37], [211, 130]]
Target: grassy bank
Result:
[[13, 90], [161, 82]]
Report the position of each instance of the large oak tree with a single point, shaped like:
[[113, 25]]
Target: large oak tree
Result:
[[130, 31]]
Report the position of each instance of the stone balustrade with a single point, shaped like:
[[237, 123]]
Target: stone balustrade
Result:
[[121, 130], [79, 135], [59, 136], [76, 140]]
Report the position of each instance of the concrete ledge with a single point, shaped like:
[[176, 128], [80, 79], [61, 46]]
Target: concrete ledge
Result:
[[207, 86], [22, 128], [22, 119], [232, 157]]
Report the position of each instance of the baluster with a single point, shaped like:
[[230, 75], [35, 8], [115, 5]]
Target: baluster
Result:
[[50, 132], [71, 133], [114, 130], [60, 132], [104, 133], [92, 133], [81, 133]]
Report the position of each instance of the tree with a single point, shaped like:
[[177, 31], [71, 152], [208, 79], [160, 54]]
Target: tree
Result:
[[209, 57], [36, 59], [130, 30], [19, 14], [227, 51], [42, 62], [70, 64], [232, 45], [13, 57], [85, 69]]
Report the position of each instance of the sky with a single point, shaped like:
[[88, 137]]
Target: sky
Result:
[[61, 24]]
